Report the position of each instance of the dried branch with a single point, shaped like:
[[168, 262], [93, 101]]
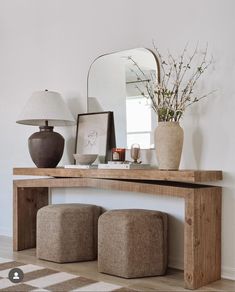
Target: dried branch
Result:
[[170, 98]]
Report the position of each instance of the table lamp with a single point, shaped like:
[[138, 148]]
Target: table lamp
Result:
[[46, 109]]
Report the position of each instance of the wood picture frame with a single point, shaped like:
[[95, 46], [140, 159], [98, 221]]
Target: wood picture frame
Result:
[[96, 134]]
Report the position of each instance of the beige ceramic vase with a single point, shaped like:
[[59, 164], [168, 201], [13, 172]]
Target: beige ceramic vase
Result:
[[169, 138]]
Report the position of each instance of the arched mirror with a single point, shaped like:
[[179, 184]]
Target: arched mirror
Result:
[[115, 83]]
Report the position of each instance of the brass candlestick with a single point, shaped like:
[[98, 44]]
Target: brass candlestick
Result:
[[135, 152]]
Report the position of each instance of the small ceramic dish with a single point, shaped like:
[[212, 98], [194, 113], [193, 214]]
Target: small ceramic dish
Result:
[[85, 159]]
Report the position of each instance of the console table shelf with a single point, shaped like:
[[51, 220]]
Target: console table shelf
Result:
[[192, 176], [202, 225]]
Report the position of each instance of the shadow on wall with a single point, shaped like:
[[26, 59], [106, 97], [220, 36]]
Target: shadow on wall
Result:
[[193, 140], [75, 107], [70, 147], [198, 129], [228, 219], [112, 199], [198, 112], [197, 137], [197, 144], [175, 242]]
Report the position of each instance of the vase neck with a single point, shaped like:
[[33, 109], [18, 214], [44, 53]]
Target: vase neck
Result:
[[168, 123]]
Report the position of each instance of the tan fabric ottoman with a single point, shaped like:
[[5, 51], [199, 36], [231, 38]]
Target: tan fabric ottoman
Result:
[[132, 243], [67, 232]]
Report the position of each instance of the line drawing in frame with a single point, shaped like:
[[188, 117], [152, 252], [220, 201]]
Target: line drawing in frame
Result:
[[95, 134]]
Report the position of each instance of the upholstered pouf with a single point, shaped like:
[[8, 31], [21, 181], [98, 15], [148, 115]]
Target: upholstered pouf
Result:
[[67, 232], [132, 243]]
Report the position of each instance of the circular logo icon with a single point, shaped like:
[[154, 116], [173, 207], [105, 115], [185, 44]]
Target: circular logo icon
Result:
[[16, 275]]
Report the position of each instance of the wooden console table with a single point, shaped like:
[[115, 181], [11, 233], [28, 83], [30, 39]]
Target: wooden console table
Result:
[[202, 226]]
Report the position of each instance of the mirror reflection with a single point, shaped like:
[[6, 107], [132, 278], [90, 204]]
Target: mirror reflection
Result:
[[115, 83]]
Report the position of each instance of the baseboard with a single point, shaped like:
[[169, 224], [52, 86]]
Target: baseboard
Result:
[[6, 232], [228, 273]]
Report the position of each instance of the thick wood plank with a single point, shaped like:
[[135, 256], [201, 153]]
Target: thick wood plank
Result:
[[170, 189], [202, 249], [26, 203], [144, 174]]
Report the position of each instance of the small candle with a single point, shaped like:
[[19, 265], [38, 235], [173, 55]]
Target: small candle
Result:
[[118, 154]]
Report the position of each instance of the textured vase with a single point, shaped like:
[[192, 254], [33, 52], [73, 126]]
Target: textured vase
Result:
[[169, 138]]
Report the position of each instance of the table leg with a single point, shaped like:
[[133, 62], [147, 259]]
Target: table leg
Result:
[[26, 202], [202, 237]]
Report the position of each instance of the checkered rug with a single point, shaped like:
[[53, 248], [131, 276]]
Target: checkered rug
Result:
[[38, 278]]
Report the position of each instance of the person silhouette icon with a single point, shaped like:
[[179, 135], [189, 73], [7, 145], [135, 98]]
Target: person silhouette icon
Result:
[[16, 276]]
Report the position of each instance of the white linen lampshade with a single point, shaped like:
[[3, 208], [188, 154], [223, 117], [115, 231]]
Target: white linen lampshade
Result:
[[46, 109], [46, 106]]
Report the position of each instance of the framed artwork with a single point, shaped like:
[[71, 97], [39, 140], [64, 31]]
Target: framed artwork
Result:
[[95, 134]]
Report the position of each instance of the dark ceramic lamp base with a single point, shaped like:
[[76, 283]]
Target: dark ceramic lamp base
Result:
[[46, 147]]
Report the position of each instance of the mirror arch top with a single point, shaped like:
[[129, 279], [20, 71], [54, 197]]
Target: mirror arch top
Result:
[[114, 84]]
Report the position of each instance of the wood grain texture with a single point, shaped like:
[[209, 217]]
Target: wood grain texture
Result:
[[26, 202], [168, 189], [202, 249], [202, 238], [143, 174]]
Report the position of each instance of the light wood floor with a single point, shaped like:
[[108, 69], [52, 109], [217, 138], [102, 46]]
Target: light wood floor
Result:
[[173, 281]]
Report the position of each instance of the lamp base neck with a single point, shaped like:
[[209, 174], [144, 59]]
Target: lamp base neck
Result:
[[46, 128]]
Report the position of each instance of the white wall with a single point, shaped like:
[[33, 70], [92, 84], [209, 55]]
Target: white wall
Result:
[[50, 44]]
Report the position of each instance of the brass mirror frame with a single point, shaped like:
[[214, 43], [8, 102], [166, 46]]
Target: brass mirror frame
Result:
[[103, 55], [158, 69]]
